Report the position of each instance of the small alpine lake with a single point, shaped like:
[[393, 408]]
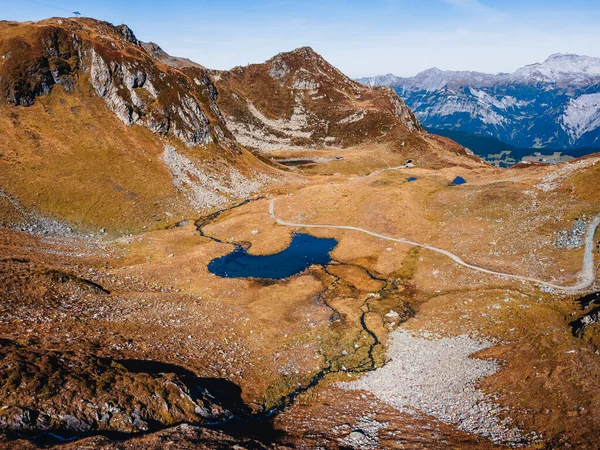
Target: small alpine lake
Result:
[[304, 251]]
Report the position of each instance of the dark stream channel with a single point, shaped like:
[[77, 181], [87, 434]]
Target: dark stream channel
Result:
[[304, 251]]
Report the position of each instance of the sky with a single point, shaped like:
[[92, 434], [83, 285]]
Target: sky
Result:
[[361, 38]]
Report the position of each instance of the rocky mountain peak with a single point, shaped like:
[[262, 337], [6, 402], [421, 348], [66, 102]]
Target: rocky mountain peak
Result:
[[555, 56], [303, 59], [127, 34], [156, 52], [561, 68], [573, 61], [305, 52], [431, 71], [297, 99]]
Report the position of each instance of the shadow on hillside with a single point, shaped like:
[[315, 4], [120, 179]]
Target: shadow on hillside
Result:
[[242, 425], [226, 393], [591, 317]]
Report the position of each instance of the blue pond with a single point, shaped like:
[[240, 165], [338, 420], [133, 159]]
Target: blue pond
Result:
[[304, 251], [409, 179], [459, 180]]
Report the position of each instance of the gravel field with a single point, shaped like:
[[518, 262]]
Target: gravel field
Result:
[[439, 378]]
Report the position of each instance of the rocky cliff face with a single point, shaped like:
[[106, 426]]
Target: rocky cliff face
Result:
[[299, 100], [553, 104], [138, 88], [159, 54]]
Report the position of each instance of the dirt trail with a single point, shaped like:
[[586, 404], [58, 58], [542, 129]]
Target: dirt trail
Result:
[[586, 276]]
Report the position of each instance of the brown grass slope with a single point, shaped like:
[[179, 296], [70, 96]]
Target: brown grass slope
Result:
[[86, 113], [87, 110]]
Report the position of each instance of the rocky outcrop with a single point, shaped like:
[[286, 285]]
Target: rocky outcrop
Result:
[[127, 34], [303, 79], [156, 52], [580, 325], [204, 190], [573, 238], [103, 79], [590, 303], [278, 68], [137, 81], [192, 126], [51, 391], [130, 92], [403, 112]]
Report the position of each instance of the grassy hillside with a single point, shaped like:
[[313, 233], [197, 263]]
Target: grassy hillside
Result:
[[85, 117]]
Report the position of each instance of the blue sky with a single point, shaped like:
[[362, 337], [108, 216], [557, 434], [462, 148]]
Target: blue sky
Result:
[[359, 37]]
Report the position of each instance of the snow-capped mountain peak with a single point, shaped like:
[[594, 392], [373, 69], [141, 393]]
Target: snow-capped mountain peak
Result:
[[555, 103], [561, 68], [381, 80]]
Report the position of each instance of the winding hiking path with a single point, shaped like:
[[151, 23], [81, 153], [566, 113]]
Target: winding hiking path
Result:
[[586, 276]]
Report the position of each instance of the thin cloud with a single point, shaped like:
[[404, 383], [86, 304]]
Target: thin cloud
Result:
[[470, 6], [271, 5]]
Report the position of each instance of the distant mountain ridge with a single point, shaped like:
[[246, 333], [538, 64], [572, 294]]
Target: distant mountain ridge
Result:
[[502, 154], [557, 68], [554, 104]]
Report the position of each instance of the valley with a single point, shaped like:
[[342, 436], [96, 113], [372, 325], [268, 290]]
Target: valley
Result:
[[500, 154], [272, 337], [167, 282]]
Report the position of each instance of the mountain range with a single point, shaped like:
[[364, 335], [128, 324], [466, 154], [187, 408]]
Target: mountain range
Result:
[[161, 136], [553, 105]]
